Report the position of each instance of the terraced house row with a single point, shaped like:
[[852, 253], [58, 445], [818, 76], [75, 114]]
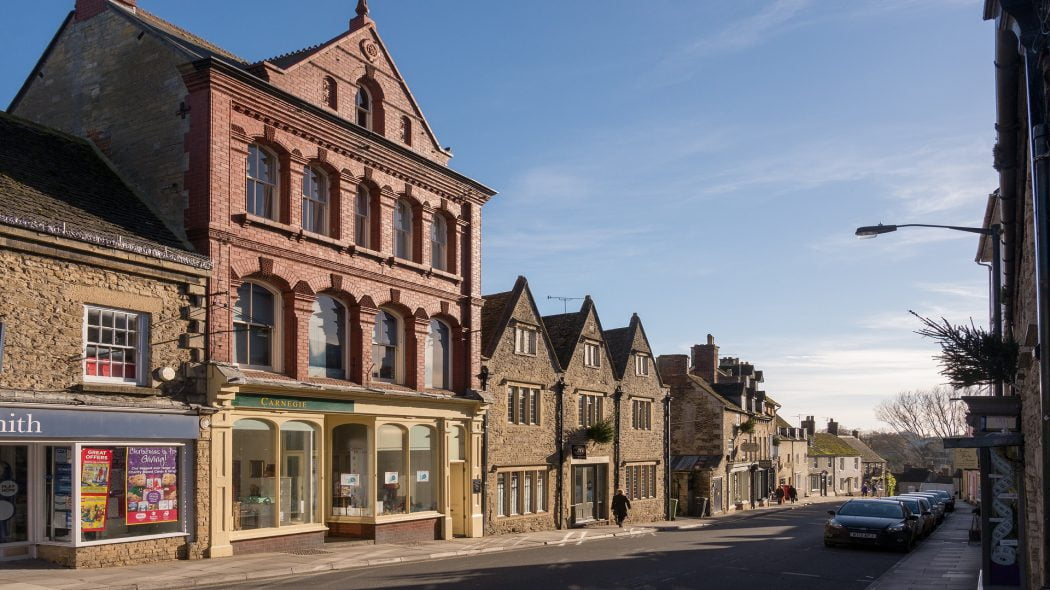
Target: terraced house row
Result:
[[241, 311]]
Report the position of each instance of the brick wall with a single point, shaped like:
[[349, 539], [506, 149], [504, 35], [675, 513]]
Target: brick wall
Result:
[[281, 544]]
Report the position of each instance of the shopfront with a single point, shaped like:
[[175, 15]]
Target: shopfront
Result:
[[72, 481], [293, 469]]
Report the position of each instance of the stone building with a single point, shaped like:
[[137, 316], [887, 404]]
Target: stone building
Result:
[[103, 452], [872, 465], [721, 433], [791, 456], [835, 468], [548, 472], [522, 476], [344, 319]]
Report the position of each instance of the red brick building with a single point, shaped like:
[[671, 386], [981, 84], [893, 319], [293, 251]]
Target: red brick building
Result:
[[343, 330]]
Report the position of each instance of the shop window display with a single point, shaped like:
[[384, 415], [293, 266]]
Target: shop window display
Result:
[[390, 470], [14, 497], [350, 471], [128, 491], [298, 473], [423, 445], [254, 475]]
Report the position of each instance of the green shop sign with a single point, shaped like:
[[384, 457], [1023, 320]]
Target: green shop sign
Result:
[[276, 402]]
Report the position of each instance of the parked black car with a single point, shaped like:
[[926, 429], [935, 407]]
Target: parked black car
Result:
[[948, 498], [922, 507], [940, 507], [884, 523]]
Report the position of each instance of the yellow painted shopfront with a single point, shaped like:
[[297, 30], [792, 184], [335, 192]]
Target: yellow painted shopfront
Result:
[[294, 465]]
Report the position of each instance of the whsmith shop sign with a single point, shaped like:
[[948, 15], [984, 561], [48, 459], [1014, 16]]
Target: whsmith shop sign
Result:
[[303, 404]]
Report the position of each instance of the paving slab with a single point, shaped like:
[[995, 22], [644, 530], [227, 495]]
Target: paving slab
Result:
[[944, 561]]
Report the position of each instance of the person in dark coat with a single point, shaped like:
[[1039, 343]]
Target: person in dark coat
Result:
[[779, 493], [792, 494], [620, 505]]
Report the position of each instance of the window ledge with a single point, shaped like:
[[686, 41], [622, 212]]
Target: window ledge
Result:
[[447, 275], [119, 388], [274, 531], [388, 518]]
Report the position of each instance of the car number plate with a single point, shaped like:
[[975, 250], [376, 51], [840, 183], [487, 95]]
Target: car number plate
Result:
[[864, 535]]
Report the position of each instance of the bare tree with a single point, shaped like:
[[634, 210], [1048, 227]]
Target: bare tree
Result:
[[925, 413]]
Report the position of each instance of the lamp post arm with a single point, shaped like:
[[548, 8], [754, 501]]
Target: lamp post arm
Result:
[[984, 231]]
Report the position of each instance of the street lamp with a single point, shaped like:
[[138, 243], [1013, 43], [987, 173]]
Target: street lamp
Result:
[[994, 231]]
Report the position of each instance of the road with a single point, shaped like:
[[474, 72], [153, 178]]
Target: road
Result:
[[774, 551]]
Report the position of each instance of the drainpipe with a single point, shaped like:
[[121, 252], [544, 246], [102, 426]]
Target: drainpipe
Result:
[[484, 378], [667, 457], [559, 441], [617, 396]]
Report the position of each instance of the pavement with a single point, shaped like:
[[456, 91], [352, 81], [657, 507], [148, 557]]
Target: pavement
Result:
[[944, 561], [35, 575]]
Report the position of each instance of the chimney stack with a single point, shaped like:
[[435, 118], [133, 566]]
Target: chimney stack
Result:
[[809, 425], [856, 434], [833, 427], [705, 360]]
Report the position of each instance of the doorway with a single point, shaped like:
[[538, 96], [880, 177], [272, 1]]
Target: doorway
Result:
[[588, 493], [457, 501], [14, 502]]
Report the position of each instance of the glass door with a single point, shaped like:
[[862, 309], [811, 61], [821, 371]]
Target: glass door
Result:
[[14, 494], [584, 490]]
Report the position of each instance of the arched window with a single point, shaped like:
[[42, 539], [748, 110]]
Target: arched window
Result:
[[391, 471], [439, 242], [300, 497], [327, 338], [315, 200], [254, 326], [254, 486], [403, 230], [261, 181], [363, 104], [438, 356], [406, 130], [330, 93], [422, 445], [386, 348], [363, 217]]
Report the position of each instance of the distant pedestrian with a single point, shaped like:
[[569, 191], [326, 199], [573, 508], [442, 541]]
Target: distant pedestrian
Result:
[[620, 505], [779, 493], [864, 490], [793, 494]]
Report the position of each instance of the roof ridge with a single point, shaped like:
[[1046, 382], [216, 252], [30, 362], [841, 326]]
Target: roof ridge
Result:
[[187, 35], [291, 53]]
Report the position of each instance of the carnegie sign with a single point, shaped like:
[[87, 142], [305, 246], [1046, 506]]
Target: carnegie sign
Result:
[[276, 402]]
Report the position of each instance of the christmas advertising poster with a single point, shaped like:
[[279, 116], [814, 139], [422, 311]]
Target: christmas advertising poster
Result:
[[95, 466], [152, 492]]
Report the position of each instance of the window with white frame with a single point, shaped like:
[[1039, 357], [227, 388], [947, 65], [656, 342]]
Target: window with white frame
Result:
[[363, 217], [254, 324], [856, 462], [327, 335], [315, 201], [438, 356], [525, 339], [403, 230], [592, 354], [261, 182], [521, 492], [116, 345], [523, 405], [642, 414], [640, 481], [386, 347], [590, 409], [439, 242], [641, 365]]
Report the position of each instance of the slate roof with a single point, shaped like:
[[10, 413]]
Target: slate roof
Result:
[[492, 313], [618, 341], [59, 184], [829, 445], [564, 331], [867, 455], [782, 423]]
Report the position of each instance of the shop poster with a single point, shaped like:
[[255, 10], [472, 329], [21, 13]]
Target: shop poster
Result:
[[95, 467], [152, 492]]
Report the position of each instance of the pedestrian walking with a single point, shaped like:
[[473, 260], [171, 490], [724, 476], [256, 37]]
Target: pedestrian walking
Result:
[[793, 494], [864, 490], [779, 493], [620, 505]]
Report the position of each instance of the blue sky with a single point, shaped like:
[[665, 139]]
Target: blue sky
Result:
[[703, 164]]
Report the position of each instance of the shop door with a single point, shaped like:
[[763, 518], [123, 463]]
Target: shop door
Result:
[[457, 502], [14, 501], [716, 495], [588, 493]]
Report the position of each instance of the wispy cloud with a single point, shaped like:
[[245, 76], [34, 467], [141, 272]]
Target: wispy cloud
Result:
[[748, 31]]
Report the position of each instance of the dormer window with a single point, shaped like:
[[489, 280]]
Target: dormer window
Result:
[[330, 93], [641, 365], [363, 104], [592, 355]]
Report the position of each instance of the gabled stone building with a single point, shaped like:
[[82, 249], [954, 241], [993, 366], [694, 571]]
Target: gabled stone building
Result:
[[835, 468], [101, 351], [791, 456], [873, 466], [522, 476], [344, 310], [721, 433]]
